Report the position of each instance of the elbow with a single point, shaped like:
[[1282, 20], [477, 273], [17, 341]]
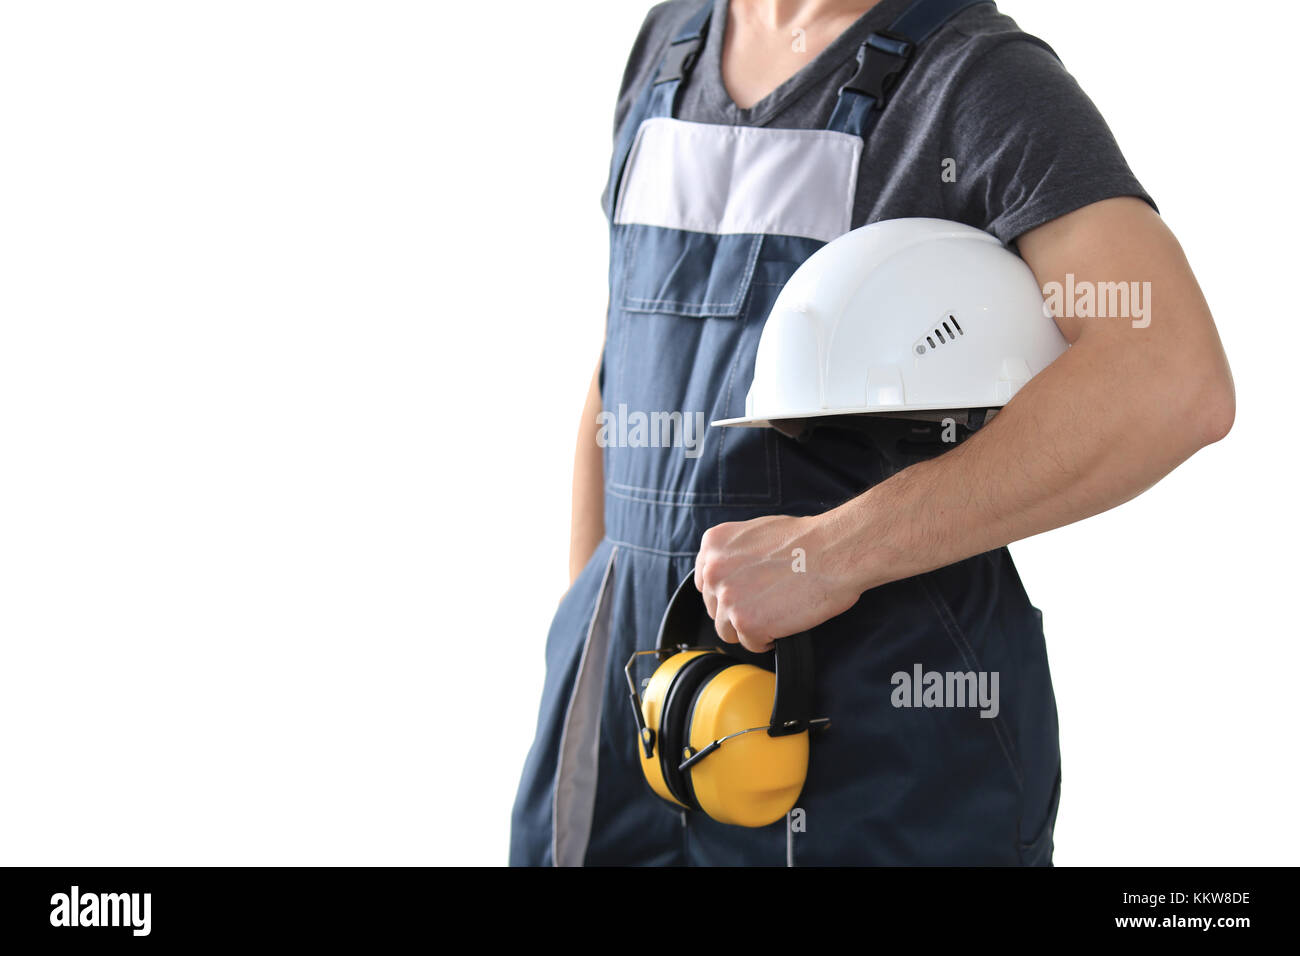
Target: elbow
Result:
[[1200, 400], [1211, 411], [1219, 418]]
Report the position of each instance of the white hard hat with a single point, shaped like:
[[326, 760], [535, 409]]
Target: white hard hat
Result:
[[901, 317]]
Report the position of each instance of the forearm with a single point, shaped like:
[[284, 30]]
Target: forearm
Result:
[[588, 518], [1072, 444]]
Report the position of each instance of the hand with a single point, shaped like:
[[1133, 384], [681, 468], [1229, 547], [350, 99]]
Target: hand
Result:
[[771, 577]]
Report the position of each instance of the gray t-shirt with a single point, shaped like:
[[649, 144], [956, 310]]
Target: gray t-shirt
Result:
[[1026, 144]]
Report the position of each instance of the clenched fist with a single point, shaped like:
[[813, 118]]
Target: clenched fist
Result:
[[772, 577]]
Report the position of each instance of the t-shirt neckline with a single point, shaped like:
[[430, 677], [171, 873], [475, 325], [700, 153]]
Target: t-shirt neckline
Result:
[[835, 56]]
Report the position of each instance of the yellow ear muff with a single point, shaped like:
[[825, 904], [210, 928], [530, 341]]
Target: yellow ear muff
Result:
[[751, 779], [701, 699], [715, 731]]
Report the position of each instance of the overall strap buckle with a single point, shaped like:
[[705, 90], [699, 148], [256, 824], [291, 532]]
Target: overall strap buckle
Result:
[[881, 61], [679, 60]]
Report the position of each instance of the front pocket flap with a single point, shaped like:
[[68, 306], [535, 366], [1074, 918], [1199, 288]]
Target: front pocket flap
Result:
[[687, 273]]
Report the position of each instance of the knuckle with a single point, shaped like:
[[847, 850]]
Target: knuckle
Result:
[[744, 623]]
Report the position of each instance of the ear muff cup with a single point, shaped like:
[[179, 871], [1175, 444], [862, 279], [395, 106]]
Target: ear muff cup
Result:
[[753, 779], [675, 724]]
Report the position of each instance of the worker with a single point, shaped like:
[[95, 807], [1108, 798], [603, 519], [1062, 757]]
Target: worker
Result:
[[748, 135]]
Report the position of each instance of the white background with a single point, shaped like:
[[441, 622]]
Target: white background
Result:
[[298, 306]]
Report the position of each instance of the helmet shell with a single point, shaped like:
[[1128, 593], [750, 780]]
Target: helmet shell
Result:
[[903, 315]]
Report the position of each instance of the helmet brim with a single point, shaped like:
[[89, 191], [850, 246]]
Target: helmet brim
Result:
[[922, 412]]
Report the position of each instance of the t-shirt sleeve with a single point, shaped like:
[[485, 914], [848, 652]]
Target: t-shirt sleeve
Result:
[[1028, 144]]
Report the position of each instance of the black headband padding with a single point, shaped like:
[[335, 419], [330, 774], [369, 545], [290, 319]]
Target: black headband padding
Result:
[[792, 708]]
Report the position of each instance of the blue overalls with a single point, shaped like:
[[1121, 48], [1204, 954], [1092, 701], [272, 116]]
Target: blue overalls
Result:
[[707, 224]]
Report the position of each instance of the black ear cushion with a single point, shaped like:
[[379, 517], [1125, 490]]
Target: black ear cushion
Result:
[[675, 725]]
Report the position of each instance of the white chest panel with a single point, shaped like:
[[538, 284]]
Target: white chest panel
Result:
[[740, 179]]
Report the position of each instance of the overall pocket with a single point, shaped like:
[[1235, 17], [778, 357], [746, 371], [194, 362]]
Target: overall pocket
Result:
[[684, 324], [971, 659]]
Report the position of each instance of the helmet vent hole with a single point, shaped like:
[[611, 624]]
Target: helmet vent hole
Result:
[[945, 333]]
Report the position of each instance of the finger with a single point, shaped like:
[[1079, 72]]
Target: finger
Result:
[[710, 602], [752, 639], [725, 631]]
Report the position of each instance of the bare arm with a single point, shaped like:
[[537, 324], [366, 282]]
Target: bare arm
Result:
[[588, 522], [1111, 417]]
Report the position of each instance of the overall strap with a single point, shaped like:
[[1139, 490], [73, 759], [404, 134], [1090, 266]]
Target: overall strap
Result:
[[882, 60], [660, 95], [678, 61]]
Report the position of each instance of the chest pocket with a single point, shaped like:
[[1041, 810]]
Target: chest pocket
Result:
[[672, 272], [683, 332]]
